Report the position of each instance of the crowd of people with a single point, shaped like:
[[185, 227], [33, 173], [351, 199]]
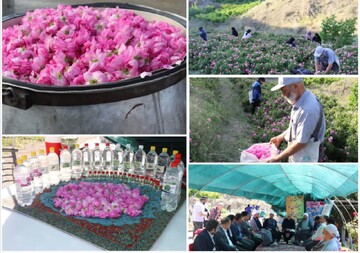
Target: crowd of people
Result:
[[245, 231]]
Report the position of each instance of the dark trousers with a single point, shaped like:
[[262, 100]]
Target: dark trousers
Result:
[[247, 244], [302, 235], [309, 244], [276, 235], [257, 241], [287, 236], [197, 225], [254, 104]]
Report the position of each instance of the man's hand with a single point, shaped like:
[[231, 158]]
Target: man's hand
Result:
[[276, 140]]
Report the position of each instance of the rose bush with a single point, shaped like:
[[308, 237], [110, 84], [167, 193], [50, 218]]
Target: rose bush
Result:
[[261, 54], [83, 45]]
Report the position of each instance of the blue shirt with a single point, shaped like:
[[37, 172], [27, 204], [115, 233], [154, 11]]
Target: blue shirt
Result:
[[256, 88], [331, 245], [328, 57]]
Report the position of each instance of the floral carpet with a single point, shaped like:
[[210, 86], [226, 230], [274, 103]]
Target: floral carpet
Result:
[[120, 234]]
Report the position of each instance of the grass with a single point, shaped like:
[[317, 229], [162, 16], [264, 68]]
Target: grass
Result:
[[20, 142]]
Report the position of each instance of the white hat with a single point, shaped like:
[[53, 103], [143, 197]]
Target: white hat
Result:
[[332, 229], [256, 212], [305, 214], [286, 81], [318, 51]]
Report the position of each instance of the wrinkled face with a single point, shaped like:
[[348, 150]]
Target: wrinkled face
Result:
[[289, 93]]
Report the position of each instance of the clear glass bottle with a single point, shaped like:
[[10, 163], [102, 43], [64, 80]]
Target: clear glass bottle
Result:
[[65, 163], [76, 166], [139, 161], [27, 164], [24, 190], [151, 162], [169, 195]]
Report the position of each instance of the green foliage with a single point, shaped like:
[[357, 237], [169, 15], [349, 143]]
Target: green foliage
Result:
[[353, 98], [338, 33], [20, 142], [261, 54], [199, 194], [228, 9]]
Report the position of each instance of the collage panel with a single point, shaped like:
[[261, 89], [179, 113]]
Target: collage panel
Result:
[[265, 119], [287, 207], [79, 67], [273, 37], [93, 193]]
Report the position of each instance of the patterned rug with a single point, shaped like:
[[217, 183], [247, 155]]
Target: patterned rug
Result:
[[120, 234]]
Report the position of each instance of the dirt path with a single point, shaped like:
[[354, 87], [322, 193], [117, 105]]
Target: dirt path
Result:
[[236, 131]]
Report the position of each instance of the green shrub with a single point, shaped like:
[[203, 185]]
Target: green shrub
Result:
[[210, 195], [338, 33]]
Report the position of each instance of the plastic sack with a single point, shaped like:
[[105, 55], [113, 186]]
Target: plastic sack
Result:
[[259, 152]]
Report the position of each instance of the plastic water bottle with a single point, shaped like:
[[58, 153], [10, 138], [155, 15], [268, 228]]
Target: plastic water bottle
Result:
[[53, 163], [162, 162], [151, 162], [36, 173], [76, 159], [86, 160], [139, 161], [172, 157], [118, 158], [27, 164], [96, 155], [44, 168], [128, 158], [108, 158], [181, 169], [169, 196], [24, 190], [65, 162]]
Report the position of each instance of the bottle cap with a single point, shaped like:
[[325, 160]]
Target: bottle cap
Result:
[[141, 146], [96, 144], [33, 154], [128, 145], [175, 152], [178, 155], [86, 145], [77, 145], [107, 144], [52, 149], [41, 152], [24, 157], [164, 150], [152, 148], [65, 147], [19, 161]]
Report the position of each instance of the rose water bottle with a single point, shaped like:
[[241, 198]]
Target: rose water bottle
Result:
[[86, 160], [53, 163], [169, 195], [65, 162], [36, 173], [128, 158], [118, 158], [76, 159], [24, 190], [162, 162], [139, 161], [107, 157], [44, 168], [96, 155], [151, 162]]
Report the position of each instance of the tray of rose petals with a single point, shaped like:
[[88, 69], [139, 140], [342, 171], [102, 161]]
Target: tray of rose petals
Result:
[[259, 152]]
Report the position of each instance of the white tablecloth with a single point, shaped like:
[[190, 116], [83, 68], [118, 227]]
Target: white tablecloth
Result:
[[20, 232]]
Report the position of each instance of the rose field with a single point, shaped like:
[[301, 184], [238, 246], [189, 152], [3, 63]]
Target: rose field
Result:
[[262, 54], [221, 125]]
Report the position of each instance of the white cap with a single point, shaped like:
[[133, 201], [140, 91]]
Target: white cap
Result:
[[332, 229], [305, 214], [318, 51], [286, 81], [256, 212]]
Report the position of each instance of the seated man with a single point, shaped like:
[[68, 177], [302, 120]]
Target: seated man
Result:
[[204, 241], [222, 237], [318, 236], [238, 238], [326, 60], [330, 242], [303, 230], [288, 228], [247, 231], [271, 225], [317, 224], [258, 228]]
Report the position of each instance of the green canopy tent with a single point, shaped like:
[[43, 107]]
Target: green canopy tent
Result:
[[273, 182]]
